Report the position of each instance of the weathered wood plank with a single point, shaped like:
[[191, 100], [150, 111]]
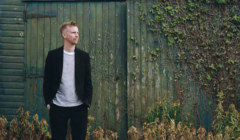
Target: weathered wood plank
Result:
[[9, 111], [60, 20], [11, 105], [66, 12], [80, 21], [11, 33], [46, 48], [12, 27], [12, 8], [92, 53], [15, 85], [11, 46], [112, 57], [39, 59], [11, 65], [54, 26], [11, 2], [11, 21], [130, 76], [11, 72], [137, 52], [11, 59], [11, 14], [11, 52], [73, 11], [123, 77], [6, 91], [15, 40], [105, 99], [11, 98], [144, 65], [86, 36], [99, 102], [10, 78]]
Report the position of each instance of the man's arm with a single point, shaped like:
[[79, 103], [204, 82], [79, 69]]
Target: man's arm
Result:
[[47, 82], [88, 89]]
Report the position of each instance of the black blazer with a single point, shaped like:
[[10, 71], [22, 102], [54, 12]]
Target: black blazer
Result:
[[53, 75]]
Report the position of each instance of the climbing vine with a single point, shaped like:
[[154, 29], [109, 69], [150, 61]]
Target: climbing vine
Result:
[[202, 36]]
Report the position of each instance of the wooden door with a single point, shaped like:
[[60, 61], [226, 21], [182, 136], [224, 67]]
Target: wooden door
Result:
[[102, 33]]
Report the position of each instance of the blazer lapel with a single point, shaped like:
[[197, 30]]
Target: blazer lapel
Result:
[[60, 58]]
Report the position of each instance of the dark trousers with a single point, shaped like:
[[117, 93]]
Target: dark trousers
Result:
[[78, 121]]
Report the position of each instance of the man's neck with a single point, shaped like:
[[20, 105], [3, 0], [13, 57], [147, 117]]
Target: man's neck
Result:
[[68, 47]]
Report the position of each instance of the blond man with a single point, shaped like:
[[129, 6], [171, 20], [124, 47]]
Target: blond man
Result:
[[67, 86]]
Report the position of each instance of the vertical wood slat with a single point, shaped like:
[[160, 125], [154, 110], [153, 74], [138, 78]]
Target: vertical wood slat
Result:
[[144, 64], [86, 36], [80, 21], [92, 53], [137, 53], [105, 52], [130, 76], [118, 55], [46, 48], [54, 26], [39, 51], [99, 94], [60, 20], [111, 68]]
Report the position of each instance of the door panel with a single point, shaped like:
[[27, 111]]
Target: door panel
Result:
[[102, 33]]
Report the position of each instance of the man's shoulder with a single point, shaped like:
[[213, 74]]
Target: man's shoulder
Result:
[[54, 51]]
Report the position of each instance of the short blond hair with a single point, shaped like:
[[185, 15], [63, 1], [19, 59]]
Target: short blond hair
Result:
[[66, 24]]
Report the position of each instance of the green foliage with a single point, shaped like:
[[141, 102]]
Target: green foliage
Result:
[[165, 112]]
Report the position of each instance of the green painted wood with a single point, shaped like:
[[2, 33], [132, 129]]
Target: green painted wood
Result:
[[99, 96], [11, 91], [118, 54], [15, 40], [11, 85], [11, 46], [11, 72], [11, 21], [12, 34], [11, 59], [80, 21], [11, 65], [137, 65], [9, 111], [11, 2], [73, 11], [12, 27], [11, 52], [86, 35], [111, 68], [105, 62], [54, 26], [11, 105], [11, 14], [4, 78], [11, 98], [59, 23], [130, 77], [92, 52], [15, 8], [144, 65], [123, 70]]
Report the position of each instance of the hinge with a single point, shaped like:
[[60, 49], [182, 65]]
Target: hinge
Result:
[[31, 16]]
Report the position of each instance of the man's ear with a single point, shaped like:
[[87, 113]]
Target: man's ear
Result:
[[64, 35]]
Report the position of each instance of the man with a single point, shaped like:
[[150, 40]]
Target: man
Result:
[[67, 86]]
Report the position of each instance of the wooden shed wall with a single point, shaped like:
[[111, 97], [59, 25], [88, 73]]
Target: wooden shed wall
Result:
[[12, 57], [149, 80]]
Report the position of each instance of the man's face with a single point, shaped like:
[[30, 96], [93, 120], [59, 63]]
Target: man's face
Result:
[[70, 34]]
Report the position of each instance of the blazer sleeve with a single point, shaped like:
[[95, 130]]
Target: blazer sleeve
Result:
[[88, 89], [47, 81]]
